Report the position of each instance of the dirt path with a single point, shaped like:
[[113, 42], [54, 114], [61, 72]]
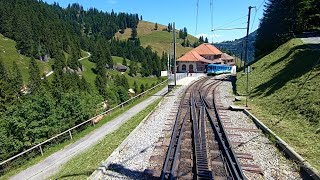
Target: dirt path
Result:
[[51, 72], [311, 40]]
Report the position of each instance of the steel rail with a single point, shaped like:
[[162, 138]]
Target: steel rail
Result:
[[173, 141], [175, 157], [236, 167], [224, 142], [200, 153]]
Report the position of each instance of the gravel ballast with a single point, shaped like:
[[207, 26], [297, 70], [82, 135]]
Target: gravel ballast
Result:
[[131, 158], [265, 155]]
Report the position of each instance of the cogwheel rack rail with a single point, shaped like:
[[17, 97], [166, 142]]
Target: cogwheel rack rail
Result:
[[198, 121]]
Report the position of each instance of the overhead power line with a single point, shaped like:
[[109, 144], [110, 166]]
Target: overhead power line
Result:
[[197, 17]]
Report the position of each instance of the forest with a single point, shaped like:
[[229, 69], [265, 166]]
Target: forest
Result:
[[33, 111], [283, 20]]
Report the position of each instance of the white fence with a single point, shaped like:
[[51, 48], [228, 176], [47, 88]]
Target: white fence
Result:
[[179, 76], [85, 122]]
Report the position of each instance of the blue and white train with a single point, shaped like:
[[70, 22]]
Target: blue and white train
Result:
[[214, 69]]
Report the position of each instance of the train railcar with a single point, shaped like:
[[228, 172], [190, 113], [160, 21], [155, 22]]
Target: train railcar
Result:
[[214, 69]]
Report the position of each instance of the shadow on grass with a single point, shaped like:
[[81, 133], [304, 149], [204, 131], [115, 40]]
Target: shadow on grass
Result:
[[76, 175], [292, 50], [301, 63], [130, 174]]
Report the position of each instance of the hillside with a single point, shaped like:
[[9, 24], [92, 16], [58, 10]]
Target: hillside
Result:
[[159, 40], [235, 47], [285, 88], [90, 76], [8, 53]]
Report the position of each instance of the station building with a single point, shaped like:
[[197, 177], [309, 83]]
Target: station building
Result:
[[198, 58]]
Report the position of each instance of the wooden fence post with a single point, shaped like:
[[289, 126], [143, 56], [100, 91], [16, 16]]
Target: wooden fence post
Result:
[[70, 134], [41, 150]]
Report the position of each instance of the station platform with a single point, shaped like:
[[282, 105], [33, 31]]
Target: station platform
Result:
[[189, 79]]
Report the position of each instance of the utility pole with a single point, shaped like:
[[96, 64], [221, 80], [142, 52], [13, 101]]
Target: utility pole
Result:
[[174, 54], [246, 54]]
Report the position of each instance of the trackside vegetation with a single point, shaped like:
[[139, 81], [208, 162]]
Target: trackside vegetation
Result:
[[284, 94], [83, 165]]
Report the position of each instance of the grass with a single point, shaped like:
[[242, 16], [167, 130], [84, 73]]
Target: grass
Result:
[[8, 53], [280, 100], [90, 76], [159, 40], [83, 165], [76, 136]]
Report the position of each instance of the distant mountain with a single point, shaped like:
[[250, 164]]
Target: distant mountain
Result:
[[235, 47]]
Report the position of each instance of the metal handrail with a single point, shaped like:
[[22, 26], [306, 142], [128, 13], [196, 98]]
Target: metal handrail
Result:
[[72, 128]]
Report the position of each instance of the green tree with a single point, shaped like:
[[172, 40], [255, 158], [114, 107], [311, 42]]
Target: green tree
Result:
[[156, 26], [135, 87], [6, 96], [34, 76], [17, 82], [124, 61], [185, 33], [133, 68], [134, 33], [142, 88], [73, 62], [169, 27], [206, 40]]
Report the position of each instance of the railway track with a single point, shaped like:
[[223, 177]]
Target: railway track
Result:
[[199, 147]]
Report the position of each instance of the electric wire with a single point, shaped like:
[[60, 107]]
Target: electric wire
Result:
[[197, 17], [256, 10]]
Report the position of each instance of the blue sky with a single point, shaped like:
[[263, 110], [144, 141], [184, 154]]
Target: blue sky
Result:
[[226, 14]]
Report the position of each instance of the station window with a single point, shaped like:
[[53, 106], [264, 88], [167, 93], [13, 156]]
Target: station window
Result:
[[184, 67]]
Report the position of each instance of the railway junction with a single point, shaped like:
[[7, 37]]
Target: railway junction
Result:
[[194, 134]]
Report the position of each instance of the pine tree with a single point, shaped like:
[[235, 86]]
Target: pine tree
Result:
[[34, 76], [73, 62], [185, 33], [134, 33], [201, 40], [206, 40], [17, 82], [124, 61], [142, 88], [180, 34], [169, 27], [135, 87], [133, 69], [156, 26], [5, 98], [188, 43]]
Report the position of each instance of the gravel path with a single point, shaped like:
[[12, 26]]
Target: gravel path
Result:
[[273, 164], [51, 164], [311, 40], [131, 159]]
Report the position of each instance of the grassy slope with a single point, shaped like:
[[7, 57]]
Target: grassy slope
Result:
[[159, 40], [8, 53], [90, 76], [274, 84]]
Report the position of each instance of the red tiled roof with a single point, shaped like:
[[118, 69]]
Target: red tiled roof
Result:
[[207, 61], [226, 56], [207, 49], [191, 56]]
